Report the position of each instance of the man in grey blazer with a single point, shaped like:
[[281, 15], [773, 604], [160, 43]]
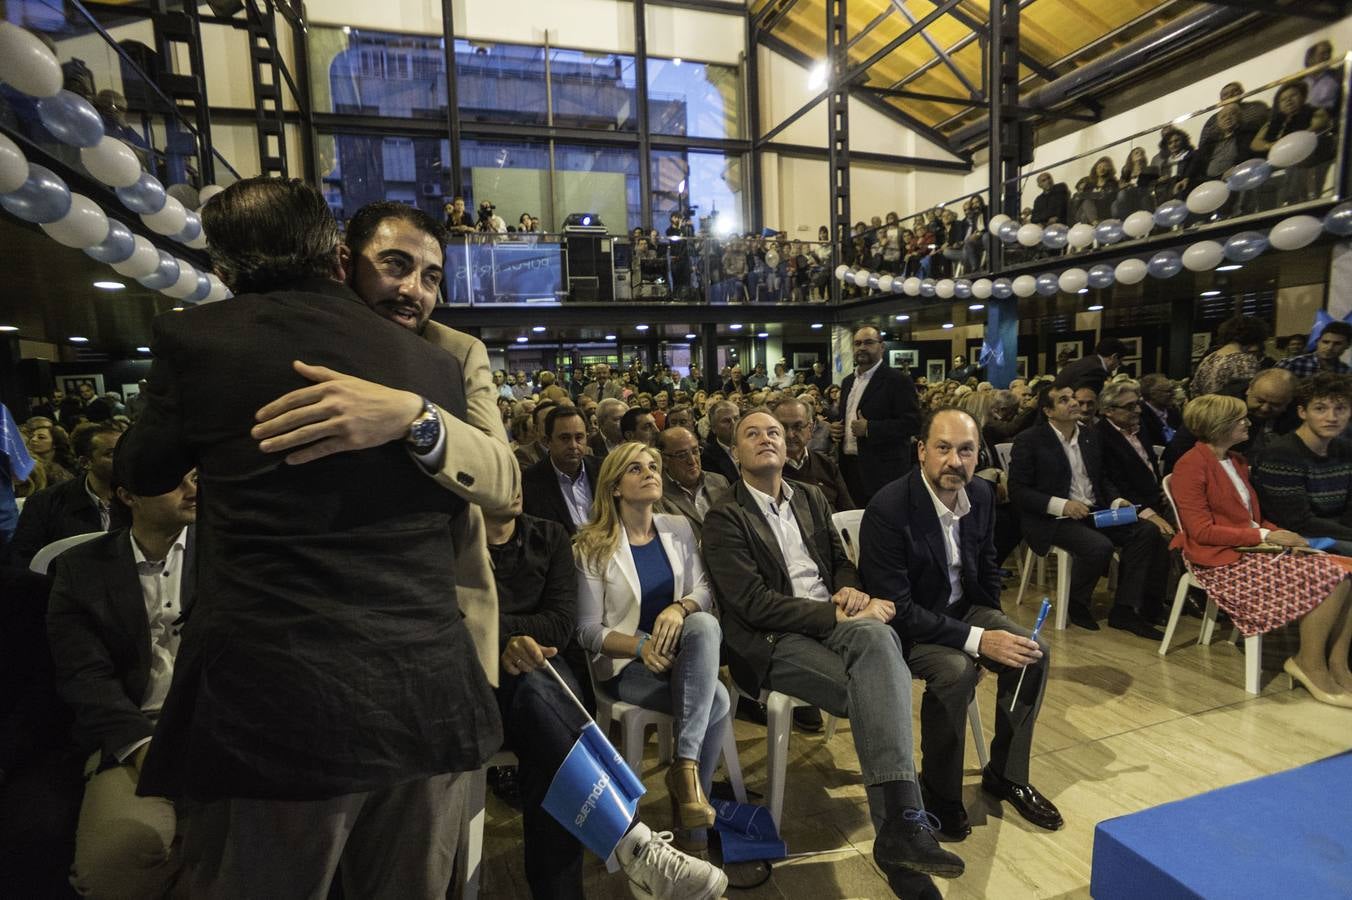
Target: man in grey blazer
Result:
[[687, 489]]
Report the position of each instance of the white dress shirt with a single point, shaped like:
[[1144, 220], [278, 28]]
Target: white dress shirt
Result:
[[104, 508], [1081, 487], [803, 572], [1242, 489], [161, 590], [851, 443], [576, 494], [949, 527]]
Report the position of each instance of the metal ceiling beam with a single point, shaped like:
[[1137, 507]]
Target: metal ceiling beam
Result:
[[803, 151], [900, 6], [775, 10], [918, 27], [1321, 10], [1025, 57], [879, 19], [919, 95], [958, 45]]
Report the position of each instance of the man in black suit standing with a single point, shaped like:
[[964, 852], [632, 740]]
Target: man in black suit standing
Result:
[[345, 701], [1057, 480], [1094, 369], [716, 456], [1160, 418], [560, 486], [881, 416], [928, 542], [1128, 454], [75, 506], [113, 623]]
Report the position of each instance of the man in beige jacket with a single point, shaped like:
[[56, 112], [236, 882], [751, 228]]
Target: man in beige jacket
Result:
[[394, 261]]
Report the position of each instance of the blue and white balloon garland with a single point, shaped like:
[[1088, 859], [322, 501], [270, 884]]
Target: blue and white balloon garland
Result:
[[36, 194]]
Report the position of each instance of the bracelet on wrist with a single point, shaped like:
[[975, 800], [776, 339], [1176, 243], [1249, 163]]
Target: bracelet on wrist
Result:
[[642, 639], [680, 604]]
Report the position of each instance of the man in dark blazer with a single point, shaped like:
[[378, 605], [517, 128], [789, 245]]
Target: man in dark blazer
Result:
[[802, 464], [687, 489], [880, 417], [1128, 454], [1094, 369], [113, 623], [560, 487], [607, 436], [795, 621], [928, 541], [1160, 419], [322, 705], [716, 456], [1057, 480], [76, 506]]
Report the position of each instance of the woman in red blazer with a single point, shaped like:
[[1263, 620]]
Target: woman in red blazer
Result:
[[1218, 512]]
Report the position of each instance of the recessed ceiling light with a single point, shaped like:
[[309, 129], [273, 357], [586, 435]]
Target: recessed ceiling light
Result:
[[142, 349], [522, 339], [1230, 268], [736, 326], [109, 285], [882, 334], [976, 306], [1095, 307], [9, 327], [948, 324], [819, 324], [762, 334], [641, 327], [538, 329], [903, 318], [691, 336], [76, 339], [178, 309], [1082, 291], [610, 337], [1211, 293]]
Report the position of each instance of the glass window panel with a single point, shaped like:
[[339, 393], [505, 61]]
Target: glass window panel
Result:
[[710, 184], [514, 177], [593, 90], [599, 180], [694, 99], [359, 169], [377, 73], [500, 83]]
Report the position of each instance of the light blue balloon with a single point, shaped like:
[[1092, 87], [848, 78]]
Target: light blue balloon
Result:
[[1246, 245], [1249, 174], [145, 196], [44, 197], [962, 289], [192, 230], [1002, 289], [927, 287], [1101, 276], [200, 293], [1054, 236], [165, 274], [897, 283], [1048, 285], [1165, 264], [1171, 213], [117, 247], [1008, 231], [1339, 219], [873, 281], [1109, 231], [71, 119]]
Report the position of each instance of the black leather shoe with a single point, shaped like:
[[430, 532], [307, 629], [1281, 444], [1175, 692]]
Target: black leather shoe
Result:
[[912, 886], [808, 718], [1024, 798], [1081, 616], [1132, 621], [906, 842], [752, 711]]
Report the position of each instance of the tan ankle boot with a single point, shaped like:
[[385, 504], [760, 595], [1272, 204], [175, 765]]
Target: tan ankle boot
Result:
[[689, 808]]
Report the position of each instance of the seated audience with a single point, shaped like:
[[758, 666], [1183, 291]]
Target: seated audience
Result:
[[1253, 114], [638, 424], [1267, 396], [1057, 479], [796, 621], [928, 542], [716, 456], [643, 598], [803, 464], [1218, 512], [1179, 165], [1010, 413], [1291, 112], [1092, 370], [1087, 399], [1052, 204], [1239, 347], [1129, 456], [560, 486], [1327, 354], [77, 506], [1304, 479], [1136, 184], [526, 445], [1226, 147], [687, 489], [1160, 417], [50, 446], [607, 437], [114, 619], [1096, 192]]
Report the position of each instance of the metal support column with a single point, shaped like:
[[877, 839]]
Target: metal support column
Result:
[[265, 72], [838, 132], [453, 178], [1002, 316], [188, 90], [708, 345], [641, 92], [755, 186], [300, 41]]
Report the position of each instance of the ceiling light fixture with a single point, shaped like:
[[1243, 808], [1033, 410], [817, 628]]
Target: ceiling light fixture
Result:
[[903, 318], [109, 285], [1229, 268], [1082, 291], [9, 327], [819, 324], [690, 336], [538, 329], [76, 339], [948, 325], [762, 334], [1211, 293], [1095, 307], [641, 327], [976, 306], [610, 337], [142, 349], [736, 326], [522, 339]]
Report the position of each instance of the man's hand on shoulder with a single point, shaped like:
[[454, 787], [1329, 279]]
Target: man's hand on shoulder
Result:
[[337, 414]]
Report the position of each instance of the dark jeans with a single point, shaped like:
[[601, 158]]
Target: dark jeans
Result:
[[1142, 571], [540, 724]]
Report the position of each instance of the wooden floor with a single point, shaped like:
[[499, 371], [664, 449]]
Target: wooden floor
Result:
[[1121, 729]]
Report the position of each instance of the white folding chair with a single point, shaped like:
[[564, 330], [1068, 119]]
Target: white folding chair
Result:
[[847, 526], [1062, 590], [42, 560], [1253, 645]]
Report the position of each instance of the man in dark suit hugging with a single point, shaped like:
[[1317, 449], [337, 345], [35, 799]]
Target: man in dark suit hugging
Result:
[[928, 542]]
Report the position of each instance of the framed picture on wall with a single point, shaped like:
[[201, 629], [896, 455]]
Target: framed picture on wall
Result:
[[1200, 341], [974, 355], [131, 390], [803, 361], [935, 370], [72, 384], [908, 358], [1075, 349], [1021, 367], [1133, 347]]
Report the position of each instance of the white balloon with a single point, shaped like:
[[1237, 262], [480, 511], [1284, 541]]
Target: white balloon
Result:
[[911, 286], [943, 288], [169, 220], [1208, 197], [199, 242], [1295, 232], [1030, 235], [840, 272], [1080, 235], [112, 162], [1025, 286], [212, 190], [993, 226], [83, 226], [885, 283], [1072, 280], [26, 64], [218, 289], [1203, 256], [143, 260], [981, 289], [13, 166], [1292, 149], [186, 284], [1130, 271], [772, 259], [1138, 224], [861, 278]]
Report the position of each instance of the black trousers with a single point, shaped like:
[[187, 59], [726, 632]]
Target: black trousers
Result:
[[1142, 572]]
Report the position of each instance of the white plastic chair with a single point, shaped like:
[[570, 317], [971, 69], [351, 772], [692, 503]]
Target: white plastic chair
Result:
[[1253, 645], [847, 526], [1062, 589], [42, 560]]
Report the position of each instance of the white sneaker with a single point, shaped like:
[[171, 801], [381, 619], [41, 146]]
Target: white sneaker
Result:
[[658, 871]]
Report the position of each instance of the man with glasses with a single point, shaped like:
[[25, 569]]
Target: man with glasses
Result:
[[881, 418], [686, 488], [1129, 456], [1268, 397], [803, 464]]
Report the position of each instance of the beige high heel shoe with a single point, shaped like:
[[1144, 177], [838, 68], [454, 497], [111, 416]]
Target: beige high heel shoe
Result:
[[689, 808], [1294, 670]]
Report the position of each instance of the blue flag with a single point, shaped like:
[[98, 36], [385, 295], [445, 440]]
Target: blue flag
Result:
[[594, 794], [747, 832], [18, 463]]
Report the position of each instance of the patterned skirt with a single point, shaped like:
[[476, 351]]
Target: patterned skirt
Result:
[[1263, 591]]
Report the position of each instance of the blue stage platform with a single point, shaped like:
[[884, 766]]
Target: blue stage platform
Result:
[[1286, 836]]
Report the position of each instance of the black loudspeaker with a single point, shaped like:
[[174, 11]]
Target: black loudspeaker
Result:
[[226, 8], [1018, 142], [591, 272]]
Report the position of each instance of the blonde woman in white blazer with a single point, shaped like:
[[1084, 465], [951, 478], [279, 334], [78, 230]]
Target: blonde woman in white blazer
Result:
[[644, 616]]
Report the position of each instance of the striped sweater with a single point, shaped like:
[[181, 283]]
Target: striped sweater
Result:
[[1303, 492]]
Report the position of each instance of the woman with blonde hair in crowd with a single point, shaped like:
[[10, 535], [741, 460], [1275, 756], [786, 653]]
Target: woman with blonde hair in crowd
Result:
[[49, 446], [643, 615], [1218, 513]]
